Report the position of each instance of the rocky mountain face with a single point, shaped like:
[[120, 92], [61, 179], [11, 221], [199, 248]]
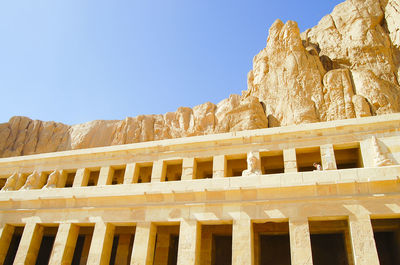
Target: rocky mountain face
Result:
[[345, 67]]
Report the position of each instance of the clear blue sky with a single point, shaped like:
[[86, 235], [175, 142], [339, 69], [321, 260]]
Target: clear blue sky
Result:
[[74, 61]]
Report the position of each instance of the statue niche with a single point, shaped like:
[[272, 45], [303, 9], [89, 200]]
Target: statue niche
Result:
[[31, 181], [11, 182], [52, 180], [253, 165]]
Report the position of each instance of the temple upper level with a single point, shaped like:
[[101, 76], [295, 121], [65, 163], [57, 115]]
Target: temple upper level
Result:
[[310, 154]]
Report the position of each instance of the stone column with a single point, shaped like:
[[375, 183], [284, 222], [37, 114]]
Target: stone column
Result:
[[219, 166], [30, 244], [129, 174], [102, 240], [300, 242], [121, 257], [62, 179], [158, 173], [81, 177], [242, 242], [143, 245], [289, 160], [189, 242], [328, 157], [6, 234], [105, 176], [367, 153], [188, 169], [64, 244], [362, 240]]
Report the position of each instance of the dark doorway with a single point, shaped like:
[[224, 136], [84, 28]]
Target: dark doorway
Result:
[[45, 250], [173, 250], [275, 249], [387, 240], [221, 250], [12, 249], [328, 249]]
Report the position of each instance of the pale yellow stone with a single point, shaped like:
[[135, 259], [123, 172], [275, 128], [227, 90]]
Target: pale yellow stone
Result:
[[64, 244], [289, 159], [29, 245], [100, 247], [143, 246], [362, 239], [105, 176], [242, 241], [300, 243], [189, 242], [81, 177], [219, 166]]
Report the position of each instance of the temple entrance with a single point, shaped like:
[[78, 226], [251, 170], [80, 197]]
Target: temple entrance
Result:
[[166, 247], [12, 249], [387, 240], [46, 246], [271, 243], [216, 244], [330, 242]]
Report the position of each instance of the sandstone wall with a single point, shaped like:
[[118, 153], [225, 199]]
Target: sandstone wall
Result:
[[347, 66]]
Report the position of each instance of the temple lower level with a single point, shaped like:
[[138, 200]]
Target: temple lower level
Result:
[[321, 193]]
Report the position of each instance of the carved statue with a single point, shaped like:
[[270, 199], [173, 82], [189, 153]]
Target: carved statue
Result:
[[52, 180], [31, 181], [380, 159], [11, 182], [252, 166]]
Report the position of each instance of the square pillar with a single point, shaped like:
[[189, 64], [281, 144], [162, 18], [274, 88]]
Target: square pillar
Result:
[[64, 244], [158, 173], [362, 241], [102, 240], [6, 234], [62, 179], [300, 242], [188, 169], [289, 160], [29, 245], [105, 176], [219, 166], [189, 243], [81, 178], [242, 242], [144, 243], [129, 173], [327, 157], [367, 153]]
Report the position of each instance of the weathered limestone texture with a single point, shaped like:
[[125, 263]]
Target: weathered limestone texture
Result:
[[347, 66]]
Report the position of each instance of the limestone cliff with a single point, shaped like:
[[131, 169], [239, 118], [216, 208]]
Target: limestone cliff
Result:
[[23, 136], [347, 66]]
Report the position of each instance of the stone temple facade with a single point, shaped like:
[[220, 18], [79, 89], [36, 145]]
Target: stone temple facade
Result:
[[249, 197]]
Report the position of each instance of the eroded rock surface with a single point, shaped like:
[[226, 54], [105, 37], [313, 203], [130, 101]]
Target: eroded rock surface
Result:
[[347, 66], [23, 136]]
